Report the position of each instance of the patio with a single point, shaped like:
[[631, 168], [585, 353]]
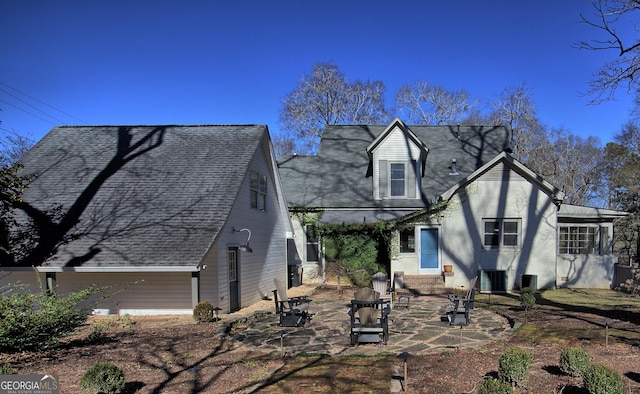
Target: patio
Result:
[[417, 329]]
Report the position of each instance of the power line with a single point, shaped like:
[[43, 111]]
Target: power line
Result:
[[41, 102], [27, 112], [32, 106]]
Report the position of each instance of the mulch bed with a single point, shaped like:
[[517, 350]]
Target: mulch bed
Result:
[[176, 355]]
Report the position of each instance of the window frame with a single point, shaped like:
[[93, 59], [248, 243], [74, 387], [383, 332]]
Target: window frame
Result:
[[408, 246], [258, 191], [500, 234], [583, 239], [232, 265], [393, 180]]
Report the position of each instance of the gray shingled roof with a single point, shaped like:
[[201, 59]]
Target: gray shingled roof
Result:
[[339, 176], [163, 208]]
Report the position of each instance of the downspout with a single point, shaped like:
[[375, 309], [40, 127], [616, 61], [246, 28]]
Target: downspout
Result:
[[322, 259]]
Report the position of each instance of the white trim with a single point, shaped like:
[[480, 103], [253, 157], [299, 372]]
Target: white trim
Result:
[[405, 182], [428, 271], [514, 164], [154, 312], [104, 269]]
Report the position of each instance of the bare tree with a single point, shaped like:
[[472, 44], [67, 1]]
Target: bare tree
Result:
[[622, 166], [433, 104], [515, 109], [327, 98], [13, 146], [574, 164], [284, 144], [614, 19]]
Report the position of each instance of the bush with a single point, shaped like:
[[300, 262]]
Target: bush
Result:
[[5, 369], [528, 296], [599, 379], [353, 256], [574, 361], [103, 377], [514, 366], [36, 321], [203, 312], [494, 386]]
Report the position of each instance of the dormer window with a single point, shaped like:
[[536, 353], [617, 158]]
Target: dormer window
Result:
[[397, 180], [397, 162]]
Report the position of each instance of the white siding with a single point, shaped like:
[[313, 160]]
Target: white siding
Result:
[[396, 148], [209, 288], [268, 261]]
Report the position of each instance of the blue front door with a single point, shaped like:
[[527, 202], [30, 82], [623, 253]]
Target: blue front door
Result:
[[429, 250]]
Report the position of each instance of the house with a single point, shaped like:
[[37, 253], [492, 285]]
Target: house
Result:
[[459, 199], [166, 216]]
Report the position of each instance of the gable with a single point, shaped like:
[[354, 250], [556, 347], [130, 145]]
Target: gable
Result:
[[150, 196], [504, 168]]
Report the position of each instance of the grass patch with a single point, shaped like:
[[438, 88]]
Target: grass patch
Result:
[[607, 307], [565, 299]]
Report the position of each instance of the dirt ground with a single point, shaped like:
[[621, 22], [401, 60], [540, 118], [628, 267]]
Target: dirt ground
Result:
[[176, 355]]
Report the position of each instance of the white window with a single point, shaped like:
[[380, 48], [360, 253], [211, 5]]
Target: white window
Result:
[[258, 190], [397, 180], [501, 233], [233, 265], [583, 240]]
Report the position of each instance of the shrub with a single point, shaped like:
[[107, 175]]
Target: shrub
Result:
[[574, 361], [5, 369], [599, 379], [102, 377], [203, 312], [528, 296], [494, 386], [36, 321], [514, 366]]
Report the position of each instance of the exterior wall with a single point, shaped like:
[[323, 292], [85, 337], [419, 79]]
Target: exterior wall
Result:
[[134, 293], [499, 193], [311, 270], [587, 270], [268, 228], [209, 289], [395, 147], [409, 262], [28, 277]]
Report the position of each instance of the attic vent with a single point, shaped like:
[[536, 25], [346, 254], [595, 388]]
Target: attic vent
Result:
[[453, 168]]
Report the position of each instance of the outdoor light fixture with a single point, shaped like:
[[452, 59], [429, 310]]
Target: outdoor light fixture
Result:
[[245, 247], [453, 169]]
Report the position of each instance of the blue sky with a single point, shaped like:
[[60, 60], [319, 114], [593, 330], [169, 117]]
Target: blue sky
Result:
[[232, 62]]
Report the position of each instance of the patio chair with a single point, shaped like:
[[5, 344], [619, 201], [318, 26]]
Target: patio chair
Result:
[[466, 299], [459, 315], [292, 311], [368, 315], [380, 283]]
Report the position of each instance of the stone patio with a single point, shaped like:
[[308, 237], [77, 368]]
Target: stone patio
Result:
[[417, 329]]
